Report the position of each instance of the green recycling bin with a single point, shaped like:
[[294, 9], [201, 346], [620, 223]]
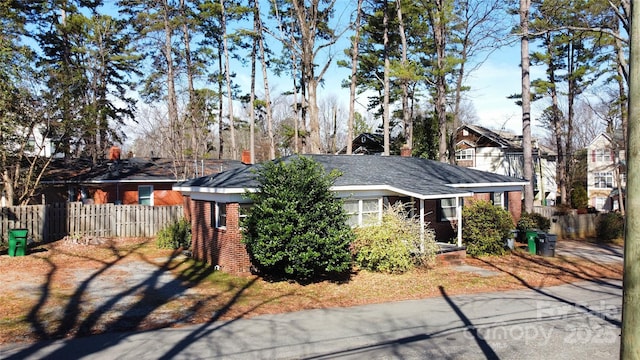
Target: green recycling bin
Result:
[[532, 238], [18, 242]]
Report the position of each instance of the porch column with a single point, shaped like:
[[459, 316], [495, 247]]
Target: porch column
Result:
[[421, 220], [459, 217]]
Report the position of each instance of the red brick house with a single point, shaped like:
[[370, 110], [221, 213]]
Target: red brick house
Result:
[[146, 181], [368, 182]]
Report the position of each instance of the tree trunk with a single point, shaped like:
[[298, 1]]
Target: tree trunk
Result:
[[439, 29], [404, 82], [190, 120], [252, 94], [387, 65], [354, 71], [220, 107], [227, 74], [265, 80], [172, 102], [526, 105]]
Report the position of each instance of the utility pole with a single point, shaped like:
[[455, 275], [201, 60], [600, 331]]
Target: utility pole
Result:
[[630, 341]]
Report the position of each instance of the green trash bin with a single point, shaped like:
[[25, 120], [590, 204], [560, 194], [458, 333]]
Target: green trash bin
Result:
[[532, 239], [18, 242]]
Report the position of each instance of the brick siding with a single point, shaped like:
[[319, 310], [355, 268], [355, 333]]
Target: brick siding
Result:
[[218, 246]]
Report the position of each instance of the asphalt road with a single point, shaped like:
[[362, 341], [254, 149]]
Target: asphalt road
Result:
[[574, 321]]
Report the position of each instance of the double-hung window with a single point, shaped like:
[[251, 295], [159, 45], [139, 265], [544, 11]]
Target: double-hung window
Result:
[[220, 215], [603, 155], [362, 211], [447, 209], [603, 180], [145, 195]]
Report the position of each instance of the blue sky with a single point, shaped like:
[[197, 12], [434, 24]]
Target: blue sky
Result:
[[497, 78]]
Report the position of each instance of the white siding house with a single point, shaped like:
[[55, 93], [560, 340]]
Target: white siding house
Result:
[[501, 153], [605, 171]]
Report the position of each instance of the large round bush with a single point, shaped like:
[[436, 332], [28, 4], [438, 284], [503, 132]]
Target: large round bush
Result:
[[485, 228], [296, 227]]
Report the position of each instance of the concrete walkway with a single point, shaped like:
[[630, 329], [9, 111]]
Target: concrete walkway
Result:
[[574, 321]]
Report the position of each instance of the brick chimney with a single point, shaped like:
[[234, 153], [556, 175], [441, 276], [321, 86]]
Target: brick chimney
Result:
[[246, 156], [114, 153], [405, 150]]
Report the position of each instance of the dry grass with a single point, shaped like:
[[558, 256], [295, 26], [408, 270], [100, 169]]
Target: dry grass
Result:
[[66, 289]]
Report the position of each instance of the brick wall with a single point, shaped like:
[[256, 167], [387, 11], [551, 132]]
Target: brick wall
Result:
[[514, 199], [218, 246], [515, 205]]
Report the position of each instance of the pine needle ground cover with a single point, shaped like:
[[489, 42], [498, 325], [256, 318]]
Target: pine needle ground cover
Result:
[[79, 288]]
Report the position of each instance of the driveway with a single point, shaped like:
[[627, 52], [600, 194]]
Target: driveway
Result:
[[600, 253]]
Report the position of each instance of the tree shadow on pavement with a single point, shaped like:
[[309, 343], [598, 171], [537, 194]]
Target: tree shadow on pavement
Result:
[[117, 312], [576, 275]]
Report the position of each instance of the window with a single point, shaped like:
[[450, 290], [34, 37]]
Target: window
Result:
[[221, 215], [600, 203], [602, 155], [362, 211], [496, 199], [464, 154], [243, 211], [603, 180], [145, 195], [351, 207], [447, 209]]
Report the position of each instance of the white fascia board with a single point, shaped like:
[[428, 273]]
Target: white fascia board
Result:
[[489, 185], [381, 189], [215, 194], [211, 190]]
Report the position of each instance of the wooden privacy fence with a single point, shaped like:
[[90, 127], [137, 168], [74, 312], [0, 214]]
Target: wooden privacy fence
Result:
[[54, 221], [570, 225]]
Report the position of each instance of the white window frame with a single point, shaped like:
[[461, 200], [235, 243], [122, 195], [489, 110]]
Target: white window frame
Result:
[[465, 154], [497, 198], [600, 202], [140, 198], [361, 215], [445, 209], [603, 177], [603, 155], [242, 214], [221, 215]]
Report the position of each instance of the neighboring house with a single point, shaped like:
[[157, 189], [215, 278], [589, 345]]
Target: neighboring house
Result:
[[501, 153], [40, 145], [368, 183], [145, 181], [605, 164], [366, 144]]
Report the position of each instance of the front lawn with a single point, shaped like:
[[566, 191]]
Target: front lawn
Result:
[[73, 289]]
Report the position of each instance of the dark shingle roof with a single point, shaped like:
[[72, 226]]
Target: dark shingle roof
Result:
[[135, 169], [409, 174]]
